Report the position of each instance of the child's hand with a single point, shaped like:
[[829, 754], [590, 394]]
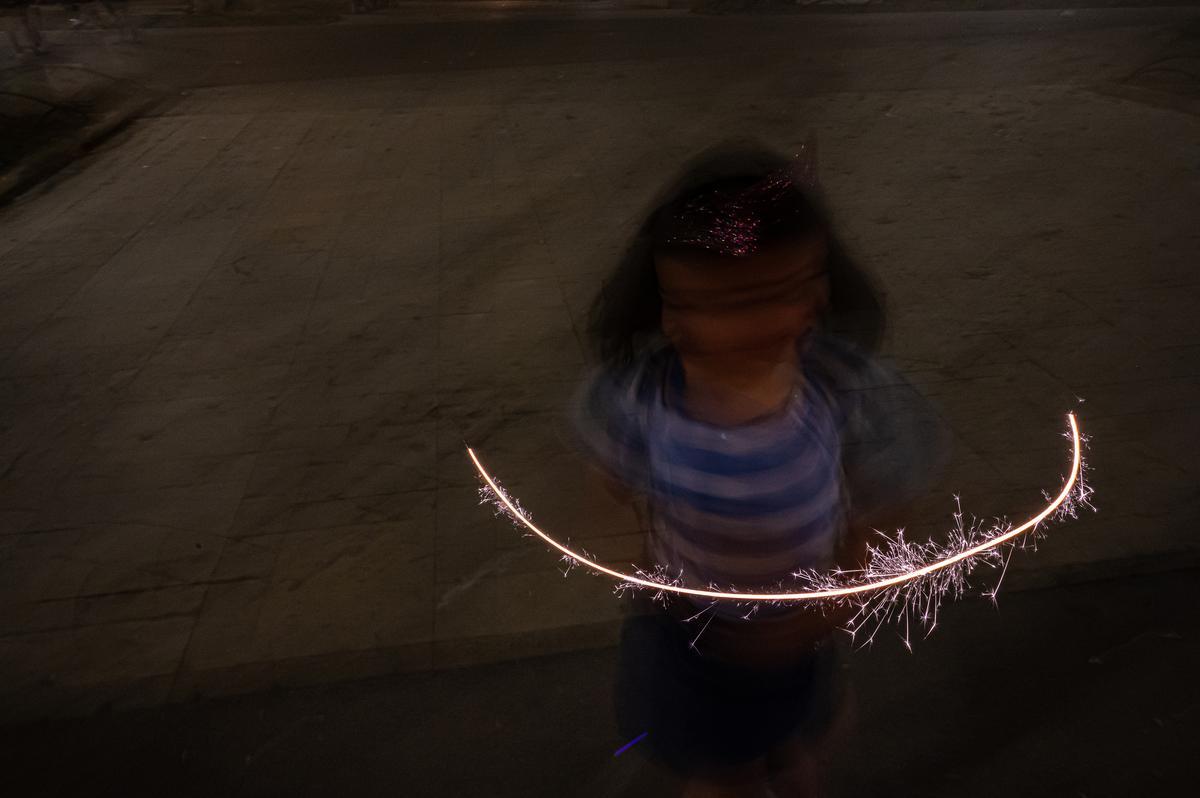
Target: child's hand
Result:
[[613, 486], [852, 553]]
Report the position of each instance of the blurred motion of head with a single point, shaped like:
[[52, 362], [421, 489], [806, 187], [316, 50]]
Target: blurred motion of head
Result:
[[735, 264], [742, 275]]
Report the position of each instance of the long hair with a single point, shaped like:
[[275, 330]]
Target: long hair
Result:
[[627, 312]]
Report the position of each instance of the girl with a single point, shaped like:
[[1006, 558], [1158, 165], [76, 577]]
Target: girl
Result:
[[759, 444]]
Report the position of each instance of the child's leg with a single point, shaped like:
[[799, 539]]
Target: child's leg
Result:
[[798, 765], [22, 20], [10, 28], [118, 11], [741, 781], [796, 770], [98, 6], [32, 20]]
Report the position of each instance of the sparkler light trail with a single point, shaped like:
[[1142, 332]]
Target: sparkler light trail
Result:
[[901, 578]]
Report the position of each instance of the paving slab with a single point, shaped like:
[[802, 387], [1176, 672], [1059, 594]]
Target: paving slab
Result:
[[245, 342]]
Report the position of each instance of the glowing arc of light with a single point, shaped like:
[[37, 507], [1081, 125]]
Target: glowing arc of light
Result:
[[866, 587]]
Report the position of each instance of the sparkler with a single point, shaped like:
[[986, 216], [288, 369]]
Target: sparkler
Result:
[[902, 580]]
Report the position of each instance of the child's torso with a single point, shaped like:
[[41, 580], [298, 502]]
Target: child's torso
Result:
[[744, 506]]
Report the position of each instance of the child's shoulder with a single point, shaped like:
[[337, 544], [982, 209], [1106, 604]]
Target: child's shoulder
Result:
[[843, 364], [636, 383]]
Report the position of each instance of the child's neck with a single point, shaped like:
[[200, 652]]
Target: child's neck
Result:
[[736, 397]]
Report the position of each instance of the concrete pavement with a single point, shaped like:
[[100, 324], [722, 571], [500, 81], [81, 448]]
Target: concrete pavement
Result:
[[1080, 690], [242, 345]]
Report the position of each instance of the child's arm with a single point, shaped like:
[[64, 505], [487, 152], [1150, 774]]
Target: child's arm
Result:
[[608, 428], [604, 479], [601, 479], [853, 548]]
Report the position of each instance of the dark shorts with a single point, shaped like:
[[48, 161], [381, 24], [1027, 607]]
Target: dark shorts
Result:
[[701, 714]]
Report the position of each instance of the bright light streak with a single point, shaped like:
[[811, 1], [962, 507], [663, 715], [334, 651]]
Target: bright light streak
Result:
[[872, 583]]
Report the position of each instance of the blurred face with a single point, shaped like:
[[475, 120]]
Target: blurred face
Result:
[[734, 316]]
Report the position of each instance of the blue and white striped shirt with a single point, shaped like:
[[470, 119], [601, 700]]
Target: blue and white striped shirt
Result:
[[746, 506]]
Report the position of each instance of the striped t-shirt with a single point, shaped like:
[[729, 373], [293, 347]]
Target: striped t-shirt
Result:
[[731, 506], [746, 506]]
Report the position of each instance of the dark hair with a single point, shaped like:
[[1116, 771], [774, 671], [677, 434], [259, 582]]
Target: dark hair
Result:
[[626, 313]]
